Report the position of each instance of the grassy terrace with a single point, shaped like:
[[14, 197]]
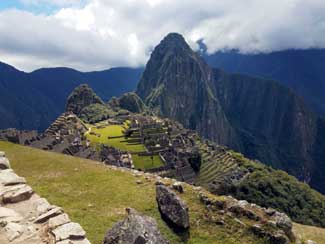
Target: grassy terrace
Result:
[[95, 196], [140, 162]]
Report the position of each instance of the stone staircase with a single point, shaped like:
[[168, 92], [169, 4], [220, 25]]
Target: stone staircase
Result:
[[26, 218]]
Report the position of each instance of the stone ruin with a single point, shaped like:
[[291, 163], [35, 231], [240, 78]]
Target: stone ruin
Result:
[[168, 139], [27, 218]]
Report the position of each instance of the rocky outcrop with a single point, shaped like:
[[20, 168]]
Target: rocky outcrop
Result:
[[267, 223], [135, 229], [172, 208], [27, 218], [81, 97]]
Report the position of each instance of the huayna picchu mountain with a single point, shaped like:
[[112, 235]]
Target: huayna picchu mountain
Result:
[[257, 117]]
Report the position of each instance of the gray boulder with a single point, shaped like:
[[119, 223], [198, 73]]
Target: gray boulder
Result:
[[135, 229], [172, 207], [4, 162]]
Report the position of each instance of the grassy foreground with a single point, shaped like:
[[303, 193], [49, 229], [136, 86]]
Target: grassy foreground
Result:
[[95, 196], [140, 162]]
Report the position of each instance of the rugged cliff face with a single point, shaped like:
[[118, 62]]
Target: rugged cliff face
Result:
[[273, 124], [258, 117], [177, 84]]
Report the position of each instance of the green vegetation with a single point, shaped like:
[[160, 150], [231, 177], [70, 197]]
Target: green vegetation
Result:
[[95, 196], [95, 112], [112, 135], [263, 185], [275, 188], [310, 233]]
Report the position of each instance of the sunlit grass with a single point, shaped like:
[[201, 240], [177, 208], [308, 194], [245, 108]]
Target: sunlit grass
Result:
[[106, 137]]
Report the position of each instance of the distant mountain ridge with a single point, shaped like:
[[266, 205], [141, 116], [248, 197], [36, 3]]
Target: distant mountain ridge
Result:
[[301, 70], [34, 100], [258, 117]]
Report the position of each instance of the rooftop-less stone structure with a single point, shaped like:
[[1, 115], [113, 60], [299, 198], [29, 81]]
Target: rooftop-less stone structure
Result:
[[27, 218]]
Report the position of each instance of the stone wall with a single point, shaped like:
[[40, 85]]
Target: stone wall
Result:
[[27, 218]]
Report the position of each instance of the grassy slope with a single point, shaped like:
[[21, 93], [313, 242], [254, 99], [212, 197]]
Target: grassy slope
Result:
[[96, 196], [140, 162], [310, 233]]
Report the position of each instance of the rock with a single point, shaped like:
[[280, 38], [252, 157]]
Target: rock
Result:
[[69, 231], [178, 187], [42, 205], [9, 215], [283, 221], [241, 208], [50, 214], [58, 221], [279, 238], [135, 229], [310, 242], [8, 177], [139, 182], [13, 231], [84, 241], [172, 207], [4, 162], [16, 193]]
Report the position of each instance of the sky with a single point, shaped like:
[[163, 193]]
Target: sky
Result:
[[100, 34]]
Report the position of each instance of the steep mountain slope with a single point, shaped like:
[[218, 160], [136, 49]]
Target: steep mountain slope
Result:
[[301, 70], [258, 117], [177, 83], [34, 100]]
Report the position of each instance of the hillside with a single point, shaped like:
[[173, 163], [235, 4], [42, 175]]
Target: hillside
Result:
[[34, 100], [301, 70], [105, 192], [260, 118]]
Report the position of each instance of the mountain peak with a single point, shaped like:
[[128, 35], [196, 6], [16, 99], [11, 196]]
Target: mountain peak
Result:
[[173, 41], [81, 97]]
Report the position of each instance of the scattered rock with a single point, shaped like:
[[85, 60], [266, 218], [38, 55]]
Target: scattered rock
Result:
[[4, 162], [50, 214], [84, 241], [178, 187], [16, 193], [69, 231], [241, 208], [8, 177], [283, 221], [58, 221], [42, 205], [311, 242], [13, 231], [172, 207], [9, 215], [135, 229]]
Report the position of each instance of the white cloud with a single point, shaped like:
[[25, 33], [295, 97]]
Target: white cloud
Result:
[[106, 33]]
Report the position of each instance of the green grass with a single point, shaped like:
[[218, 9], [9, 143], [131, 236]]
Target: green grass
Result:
[[95, 196], [140, 162], [310, 233]]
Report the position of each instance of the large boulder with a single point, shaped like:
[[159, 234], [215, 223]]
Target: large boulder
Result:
[[135, 229], [172, 208]]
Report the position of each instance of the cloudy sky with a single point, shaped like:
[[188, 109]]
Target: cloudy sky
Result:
[[99, 34]]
